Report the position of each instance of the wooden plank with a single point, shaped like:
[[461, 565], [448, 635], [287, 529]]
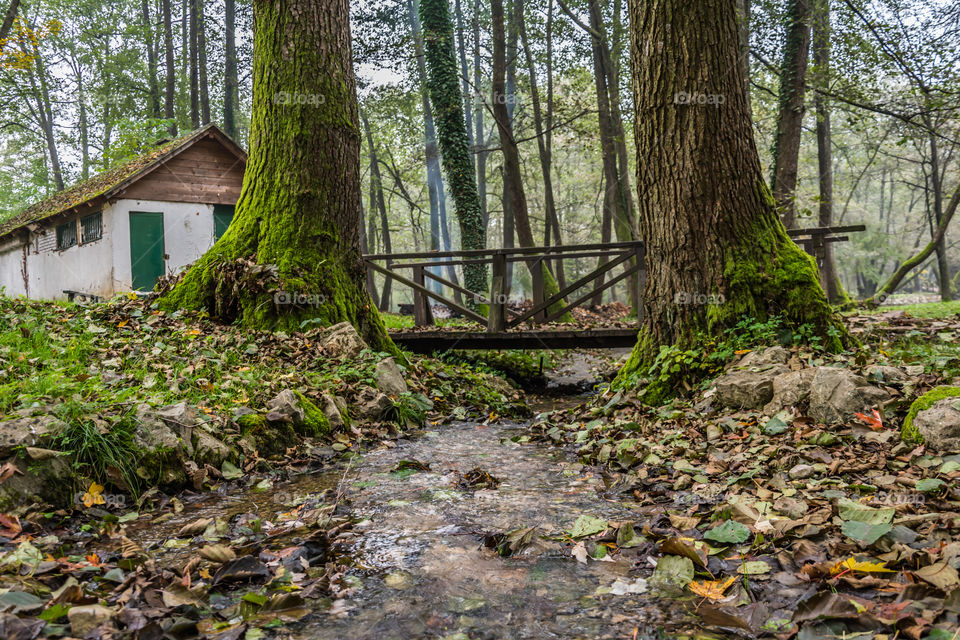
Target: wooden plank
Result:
[[570, 288], [469, 253], [476, 317], [429, 341], [422, 313], [524, 258], [497, 317]]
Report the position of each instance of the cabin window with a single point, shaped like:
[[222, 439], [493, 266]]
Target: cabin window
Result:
[[67, 235], [91, 228]]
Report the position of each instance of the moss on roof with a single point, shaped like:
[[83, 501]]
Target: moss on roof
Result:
[[100, 184]]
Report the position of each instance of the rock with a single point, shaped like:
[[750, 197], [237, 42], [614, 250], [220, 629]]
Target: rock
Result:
[[389, 378], [837, 394], [49, 480], [939, 426], [179, 416], [36, 453], [748, 389], [26, 432], [800, 472], [793, 509], [334, 412], [372, 404], [285, 407], [770, 355], [86, 618], [893, 376], [789, 390], [210, 450], [153, 435], [713, 432], [342, 341]]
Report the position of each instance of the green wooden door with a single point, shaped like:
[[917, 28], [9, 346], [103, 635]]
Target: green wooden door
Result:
[[222, 217], [146, 249]]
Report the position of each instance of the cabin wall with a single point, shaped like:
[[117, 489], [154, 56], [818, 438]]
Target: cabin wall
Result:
[[87, 268], [187, 231], [13, 267]]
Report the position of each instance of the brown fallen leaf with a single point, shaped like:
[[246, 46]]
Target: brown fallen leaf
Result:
[[7, 471]]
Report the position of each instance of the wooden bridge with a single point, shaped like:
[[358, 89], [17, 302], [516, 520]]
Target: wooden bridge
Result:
[[503, 324]]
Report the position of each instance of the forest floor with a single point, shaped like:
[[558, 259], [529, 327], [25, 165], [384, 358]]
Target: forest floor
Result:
[[599, 518]]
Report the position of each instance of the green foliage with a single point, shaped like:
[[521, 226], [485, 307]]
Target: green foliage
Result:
[[521, 366]]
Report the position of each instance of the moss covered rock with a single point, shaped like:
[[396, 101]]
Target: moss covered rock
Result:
[[934, 418]]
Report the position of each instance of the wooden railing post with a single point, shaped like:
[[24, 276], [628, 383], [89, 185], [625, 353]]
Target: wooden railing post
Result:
[[497, 317], [538, 282], [422, 313], [638, 255]]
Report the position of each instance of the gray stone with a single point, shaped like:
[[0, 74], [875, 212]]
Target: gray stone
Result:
[[770, 355], [49, 480], [153, 434], [285, 407], [333, 411], [940, 425], [749, 388], [837, 394], [789, 390], [26, 432], [893, 376], [210, 450], [372, 404], [86, 618], [389, 378], [800, 472], [793, 509], [342, 341]]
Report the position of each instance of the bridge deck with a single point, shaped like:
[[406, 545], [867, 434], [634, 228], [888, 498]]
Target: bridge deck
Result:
[[427, 341]]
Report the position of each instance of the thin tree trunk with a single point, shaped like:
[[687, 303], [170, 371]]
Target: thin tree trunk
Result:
[[793, 73], [170, 87], [39, 88], [202, 64], [230, 82], [84, 125], [151, 59], [8, 18], [378, 204], [821, 60], [716, 252], [480, 135], [298, 208], [364, 249], [943, 266], [465, 81], [194, 67]]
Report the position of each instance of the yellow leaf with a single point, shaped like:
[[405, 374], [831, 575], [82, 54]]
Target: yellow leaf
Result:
[[740, 352], [711, 589], [852, 564], [92, 495]]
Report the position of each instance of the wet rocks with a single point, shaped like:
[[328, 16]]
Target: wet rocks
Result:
[[26, 432], [389, 378], [939, 426], [837, 394]]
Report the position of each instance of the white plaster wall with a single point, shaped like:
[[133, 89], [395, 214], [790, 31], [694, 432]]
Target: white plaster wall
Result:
[[87, 268], [187, 232], [11, 267]]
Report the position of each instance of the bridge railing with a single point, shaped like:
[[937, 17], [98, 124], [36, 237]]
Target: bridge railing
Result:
[[499, 316]]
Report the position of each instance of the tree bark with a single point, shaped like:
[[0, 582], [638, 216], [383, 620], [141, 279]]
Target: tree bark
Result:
[[231, 96], [378, 204], [151, 59], [943, 266], [447, 100], [708, 221], [821, 60], [202, 65], [8, 18], [170, 87], [194, 67], [297, 223], [480, 135], [793, 74]]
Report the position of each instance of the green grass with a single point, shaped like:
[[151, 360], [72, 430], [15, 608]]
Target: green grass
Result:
[[927, 309]]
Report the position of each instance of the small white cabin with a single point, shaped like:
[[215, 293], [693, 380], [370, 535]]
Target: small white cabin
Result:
[[122, 229]]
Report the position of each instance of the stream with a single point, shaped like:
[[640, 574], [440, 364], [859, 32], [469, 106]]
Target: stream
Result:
[[418, 564]]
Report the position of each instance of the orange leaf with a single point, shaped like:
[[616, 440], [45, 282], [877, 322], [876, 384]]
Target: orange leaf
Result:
[[874, 421], [711, 589]]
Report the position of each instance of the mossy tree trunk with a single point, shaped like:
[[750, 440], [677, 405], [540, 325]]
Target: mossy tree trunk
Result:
[[444, 86], [292, 252], [709, 222]]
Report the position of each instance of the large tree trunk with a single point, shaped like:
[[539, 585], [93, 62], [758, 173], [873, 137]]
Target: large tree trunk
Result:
[[821, 60], [298, 216], [230, 82], [170, 72], [454, 143], [793, 74], [708, 220]]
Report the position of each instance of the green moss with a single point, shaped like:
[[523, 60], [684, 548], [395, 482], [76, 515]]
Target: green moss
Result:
[[271, 438], [908, 432], [315, 422]]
